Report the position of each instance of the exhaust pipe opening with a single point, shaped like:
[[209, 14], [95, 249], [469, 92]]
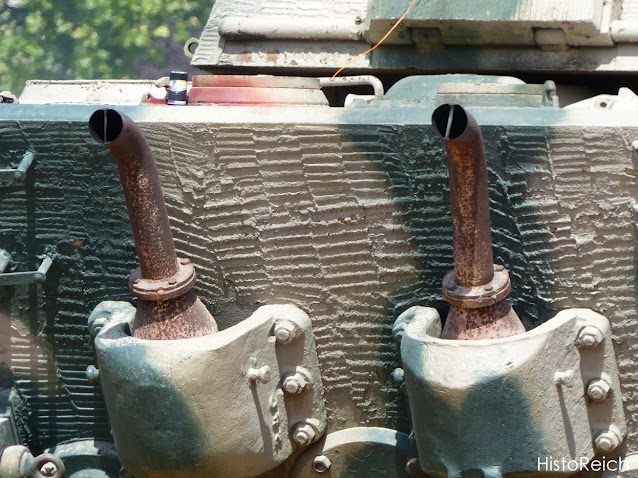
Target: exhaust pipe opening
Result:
[[105, 126], [450, 121]]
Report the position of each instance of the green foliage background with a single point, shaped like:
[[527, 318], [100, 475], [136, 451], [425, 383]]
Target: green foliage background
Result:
[[90, 39]]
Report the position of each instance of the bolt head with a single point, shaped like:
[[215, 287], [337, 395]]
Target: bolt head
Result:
[[49, 469], [294, 384], [589, 337], [607, 441], [598, 390], [285, 331], [321, 464], [304, 434]]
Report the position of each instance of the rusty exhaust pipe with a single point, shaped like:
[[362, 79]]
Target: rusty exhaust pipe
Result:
[[167, 307], [477, 288]]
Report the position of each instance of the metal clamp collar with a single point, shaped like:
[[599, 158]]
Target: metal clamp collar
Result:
[[480, 296], [164, 289]]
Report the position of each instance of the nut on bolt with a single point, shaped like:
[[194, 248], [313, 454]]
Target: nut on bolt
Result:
[[321, 464], [598, 390], [285, 331], [589, 337], [607, 441], [294, 384], [304, 434]]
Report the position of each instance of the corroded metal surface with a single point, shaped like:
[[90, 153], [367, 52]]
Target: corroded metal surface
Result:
[[478, 296], [167, 308]]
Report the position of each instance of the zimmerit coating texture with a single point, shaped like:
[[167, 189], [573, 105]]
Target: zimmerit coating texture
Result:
[[71, 208], [350, 223], [353, 225]]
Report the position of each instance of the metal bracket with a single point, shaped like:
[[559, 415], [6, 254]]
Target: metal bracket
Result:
[[259, 379], [18, 174], [554, 388], [19, 278]]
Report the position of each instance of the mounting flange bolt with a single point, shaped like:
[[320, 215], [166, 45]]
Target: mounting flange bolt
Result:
[[608, 440], [598, 390], [285, 331], [295, 383], [304, 433], [589, 337], [321, 464]]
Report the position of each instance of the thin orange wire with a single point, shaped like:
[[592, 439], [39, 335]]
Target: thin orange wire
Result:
[[379, 43]]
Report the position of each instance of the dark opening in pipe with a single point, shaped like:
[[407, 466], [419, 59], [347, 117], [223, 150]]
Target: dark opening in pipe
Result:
[[449, 121], [105, 125]]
